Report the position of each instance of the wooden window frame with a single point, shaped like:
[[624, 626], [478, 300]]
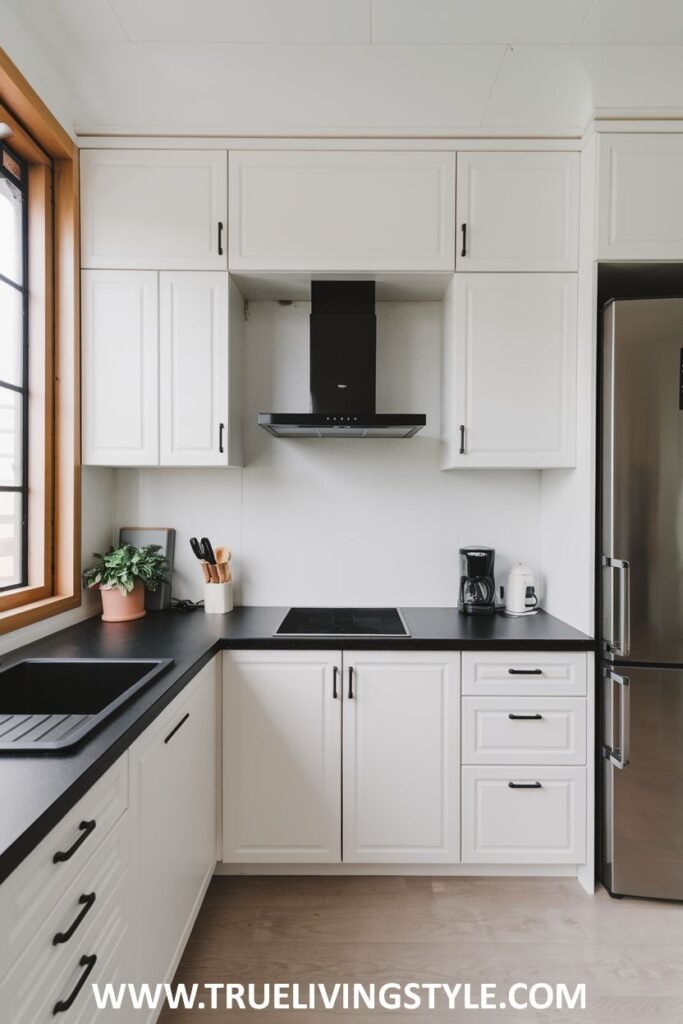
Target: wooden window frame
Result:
[[54, 357]]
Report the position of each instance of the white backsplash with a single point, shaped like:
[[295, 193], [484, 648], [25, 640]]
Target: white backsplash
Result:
[[339, 521]]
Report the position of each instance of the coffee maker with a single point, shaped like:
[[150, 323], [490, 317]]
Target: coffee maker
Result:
[[477, 594]]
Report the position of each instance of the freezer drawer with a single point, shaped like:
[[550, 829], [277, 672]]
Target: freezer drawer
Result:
[[642, 781]]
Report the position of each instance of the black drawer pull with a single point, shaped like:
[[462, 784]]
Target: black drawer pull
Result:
[[86, 827], [350, 694], [221, 433], [525, 785], [178, 726], [525, 718], [335, 674], [86, 901], [220, 237], [463, 228], [65, 1004], [525, 671]]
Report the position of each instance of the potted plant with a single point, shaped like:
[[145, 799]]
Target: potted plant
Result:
[[122, 576]]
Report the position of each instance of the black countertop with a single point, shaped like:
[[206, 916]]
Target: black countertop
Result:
[[37, 790]]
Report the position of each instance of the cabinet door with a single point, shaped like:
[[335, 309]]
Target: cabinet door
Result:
[[362, 211], [401, 757], [173, 798], [154, 209], [640, 210], [282, 757], [518, 211], [120, 355], [510, 370], [193, 378]]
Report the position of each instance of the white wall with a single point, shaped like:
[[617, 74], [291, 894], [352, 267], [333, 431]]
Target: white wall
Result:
[[97, 516], [339, 521]]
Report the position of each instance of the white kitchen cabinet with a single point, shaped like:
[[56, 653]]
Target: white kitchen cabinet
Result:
[[509, 380], [640, 212], [154, 209], [401, 757], [524, 730], [524, 673], [282, 756], [120, 368], [362, 211], [161, 368], [518, 211], [523, 815], [193, 368], [173, 779]]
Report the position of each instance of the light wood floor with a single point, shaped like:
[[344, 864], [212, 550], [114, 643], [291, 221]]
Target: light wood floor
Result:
[[257, 929]]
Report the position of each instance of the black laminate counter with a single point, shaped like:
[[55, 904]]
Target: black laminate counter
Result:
[[37, 790]]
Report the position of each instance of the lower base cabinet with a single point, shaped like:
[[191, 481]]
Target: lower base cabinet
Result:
[[173, 804]]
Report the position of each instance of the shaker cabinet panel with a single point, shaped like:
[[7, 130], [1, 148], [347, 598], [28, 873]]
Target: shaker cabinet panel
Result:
[[120, 368], [509, 397], [282, 756], [342, 211], [401, 793], [154, 209], [518, 211], [193, 316], [640, 212]]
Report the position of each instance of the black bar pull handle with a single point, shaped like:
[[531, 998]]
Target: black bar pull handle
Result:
[[220, 237], [221, 436], [525, 671], [462, 438], [180, 724], [85, 828], [350, 694], [463, 228], [86, 901], [525, 785], [525, 718], [335, 675], [65, 1004]]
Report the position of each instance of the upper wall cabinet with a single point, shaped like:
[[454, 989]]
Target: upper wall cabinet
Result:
[[518, 211], [342, 211], [510, 371], [640, 209], [154, 209]]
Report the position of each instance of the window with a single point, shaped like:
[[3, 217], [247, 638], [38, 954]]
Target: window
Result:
[[39, 371], [14, 418]]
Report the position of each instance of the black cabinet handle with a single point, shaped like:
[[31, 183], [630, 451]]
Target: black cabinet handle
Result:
[[463, 251], [65, 1004], [350, 682], [178, 726], [220, 237], [85, 827], [221, 433], [462, 438], [335, 673], [525, 671], [525, 718], [86, 901], [525, 785]]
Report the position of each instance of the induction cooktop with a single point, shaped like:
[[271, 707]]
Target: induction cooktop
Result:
[[343, 622]]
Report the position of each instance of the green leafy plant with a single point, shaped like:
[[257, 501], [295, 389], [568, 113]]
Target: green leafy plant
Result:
[[125, 566]]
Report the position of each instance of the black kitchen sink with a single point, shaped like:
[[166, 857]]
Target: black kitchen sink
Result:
[[53, 704]]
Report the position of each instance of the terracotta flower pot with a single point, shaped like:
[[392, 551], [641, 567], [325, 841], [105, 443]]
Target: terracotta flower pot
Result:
[[118, 607]]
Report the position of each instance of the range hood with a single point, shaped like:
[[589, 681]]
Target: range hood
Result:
[[342, 371]]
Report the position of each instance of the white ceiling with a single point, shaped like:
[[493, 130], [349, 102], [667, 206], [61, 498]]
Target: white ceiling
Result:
[[336, 66]]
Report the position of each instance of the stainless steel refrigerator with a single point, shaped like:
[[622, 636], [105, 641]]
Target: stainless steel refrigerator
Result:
[[641, 598]]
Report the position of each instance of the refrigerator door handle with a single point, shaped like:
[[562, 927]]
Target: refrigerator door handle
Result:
[[620, 756], [621, 643]]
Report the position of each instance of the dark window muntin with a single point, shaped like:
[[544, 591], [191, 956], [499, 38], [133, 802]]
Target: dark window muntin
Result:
[[22, 185]]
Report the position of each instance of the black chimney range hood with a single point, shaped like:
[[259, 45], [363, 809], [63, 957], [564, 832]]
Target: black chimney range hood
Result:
[[342, 371]]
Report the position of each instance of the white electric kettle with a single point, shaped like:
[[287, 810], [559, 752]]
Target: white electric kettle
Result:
[[520, 591]]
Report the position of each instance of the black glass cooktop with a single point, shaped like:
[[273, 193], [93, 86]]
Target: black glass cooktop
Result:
[[342, 622]]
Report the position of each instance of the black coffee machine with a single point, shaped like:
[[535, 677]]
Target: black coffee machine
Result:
[[477, 584]]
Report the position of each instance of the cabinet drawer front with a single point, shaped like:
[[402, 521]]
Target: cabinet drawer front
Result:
[[31, 893], [521, 815], [524, 730], [496, 673]]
